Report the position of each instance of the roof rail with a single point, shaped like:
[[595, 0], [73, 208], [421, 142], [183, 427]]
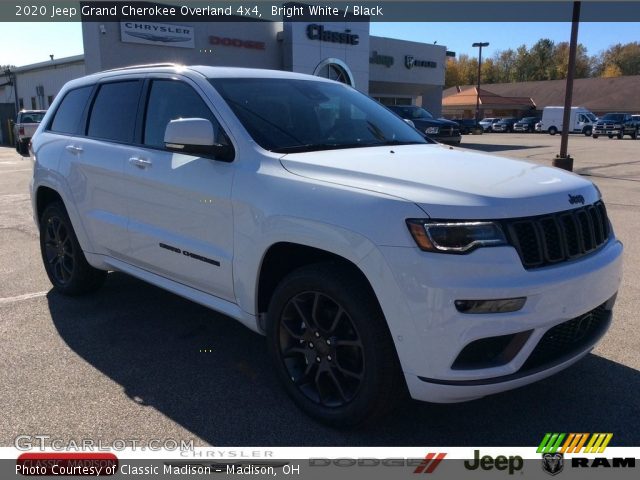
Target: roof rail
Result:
[[131, 67]]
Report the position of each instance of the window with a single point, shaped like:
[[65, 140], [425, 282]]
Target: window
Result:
[[21, 103], [113, 115], [49, 100], [33, 103], [69, 113], [287, 115], [170, 100]]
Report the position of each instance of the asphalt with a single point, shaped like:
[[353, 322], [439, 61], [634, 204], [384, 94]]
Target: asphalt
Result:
[[127, 362]]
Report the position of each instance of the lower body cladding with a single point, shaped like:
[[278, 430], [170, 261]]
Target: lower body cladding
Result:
[[566, 310]]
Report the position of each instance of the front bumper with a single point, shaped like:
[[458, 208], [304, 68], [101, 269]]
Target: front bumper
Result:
[[607, 131], [431, 283]]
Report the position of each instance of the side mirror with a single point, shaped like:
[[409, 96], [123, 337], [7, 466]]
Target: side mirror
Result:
[[195, 136]]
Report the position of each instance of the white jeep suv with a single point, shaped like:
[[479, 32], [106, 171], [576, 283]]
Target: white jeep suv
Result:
[[375, 261]]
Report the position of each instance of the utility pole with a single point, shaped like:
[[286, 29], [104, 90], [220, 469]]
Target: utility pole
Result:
[[563, 160], [480, 45]]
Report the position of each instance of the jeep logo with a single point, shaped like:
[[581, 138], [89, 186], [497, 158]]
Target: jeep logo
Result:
[[573, 199], [511, 464]]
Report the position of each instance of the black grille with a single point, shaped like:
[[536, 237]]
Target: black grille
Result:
[[568, 338], [548, 239]]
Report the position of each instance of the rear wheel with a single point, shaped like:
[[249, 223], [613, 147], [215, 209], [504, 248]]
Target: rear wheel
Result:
[[64, 261], [331, 347], [610, 135], [553, 130], [595, 136]]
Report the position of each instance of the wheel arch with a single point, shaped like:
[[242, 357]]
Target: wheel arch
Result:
[[282, 258]]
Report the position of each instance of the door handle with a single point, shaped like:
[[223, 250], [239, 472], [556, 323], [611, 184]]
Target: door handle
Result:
[[140, 162], [74, 149]]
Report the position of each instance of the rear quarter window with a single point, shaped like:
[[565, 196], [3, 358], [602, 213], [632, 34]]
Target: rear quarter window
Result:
[[68, 115]]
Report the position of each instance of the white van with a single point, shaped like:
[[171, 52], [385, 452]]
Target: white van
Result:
[[581, 120]]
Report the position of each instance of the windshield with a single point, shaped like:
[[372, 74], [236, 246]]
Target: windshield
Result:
[[32, 117], [290, 115], [613, 116], [591, 117]]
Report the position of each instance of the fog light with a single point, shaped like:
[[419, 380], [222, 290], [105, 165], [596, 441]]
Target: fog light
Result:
[[490, 306]]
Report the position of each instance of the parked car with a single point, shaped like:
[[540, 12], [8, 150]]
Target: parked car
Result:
[[526, 124], [581, 120], [504, 125], [26, 124], [440, 129], [467, 125], [618, 125], [487, 123], [375, 261]]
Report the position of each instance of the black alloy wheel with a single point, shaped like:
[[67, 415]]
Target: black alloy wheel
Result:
[[64, 261], [58, 250], [331, 346], [321, 349]]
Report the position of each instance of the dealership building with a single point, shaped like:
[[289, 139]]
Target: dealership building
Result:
[[392, 71]]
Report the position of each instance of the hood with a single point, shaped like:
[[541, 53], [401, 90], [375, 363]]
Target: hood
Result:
[[448, 183]]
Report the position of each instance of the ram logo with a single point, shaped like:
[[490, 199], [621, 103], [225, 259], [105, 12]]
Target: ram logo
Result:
[[573, 199]]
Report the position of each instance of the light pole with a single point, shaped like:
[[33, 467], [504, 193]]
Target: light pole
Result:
[[480, 45]]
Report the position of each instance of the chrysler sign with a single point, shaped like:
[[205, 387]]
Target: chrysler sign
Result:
[[157, 34]]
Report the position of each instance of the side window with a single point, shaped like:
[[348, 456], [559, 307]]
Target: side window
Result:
[[582, 118], [113, 115], [170, 100], [69, 113]]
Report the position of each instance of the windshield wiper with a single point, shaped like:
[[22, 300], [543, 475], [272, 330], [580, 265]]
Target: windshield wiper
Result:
[[312, 147]]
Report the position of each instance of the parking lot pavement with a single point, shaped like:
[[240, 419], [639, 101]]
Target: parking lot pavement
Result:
[[126, 362]]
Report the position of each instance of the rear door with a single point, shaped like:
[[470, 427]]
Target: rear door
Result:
[[180, 215], [93, 161]]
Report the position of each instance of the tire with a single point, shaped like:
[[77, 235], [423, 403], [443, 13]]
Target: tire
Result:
[[63, 259], [24, 147], [620, 135], [553, 130], [634, 135], [594, 136], [587, 131], [338, 365]]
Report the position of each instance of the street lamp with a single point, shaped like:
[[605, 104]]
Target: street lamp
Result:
[[479, 45]]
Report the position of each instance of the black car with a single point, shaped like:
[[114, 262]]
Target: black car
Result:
[[439, 129], [467, 125], [527, 124], [504, 125]]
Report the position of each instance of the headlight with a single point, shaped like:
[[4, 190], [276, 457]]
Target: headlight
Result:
[[455, 237], [432, 130]]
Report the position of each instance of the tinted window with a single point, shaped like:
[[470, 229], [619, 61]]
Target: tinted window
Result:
[[113, 115], [170, 100], [69, 112], [288, 115]]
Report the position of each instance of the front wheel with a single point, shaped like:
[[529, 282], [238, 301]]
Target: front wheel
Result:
[[621, 135], [587, 132], [64, 261], [634, 135], [331, 347], [553, 130], [595, 136]]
